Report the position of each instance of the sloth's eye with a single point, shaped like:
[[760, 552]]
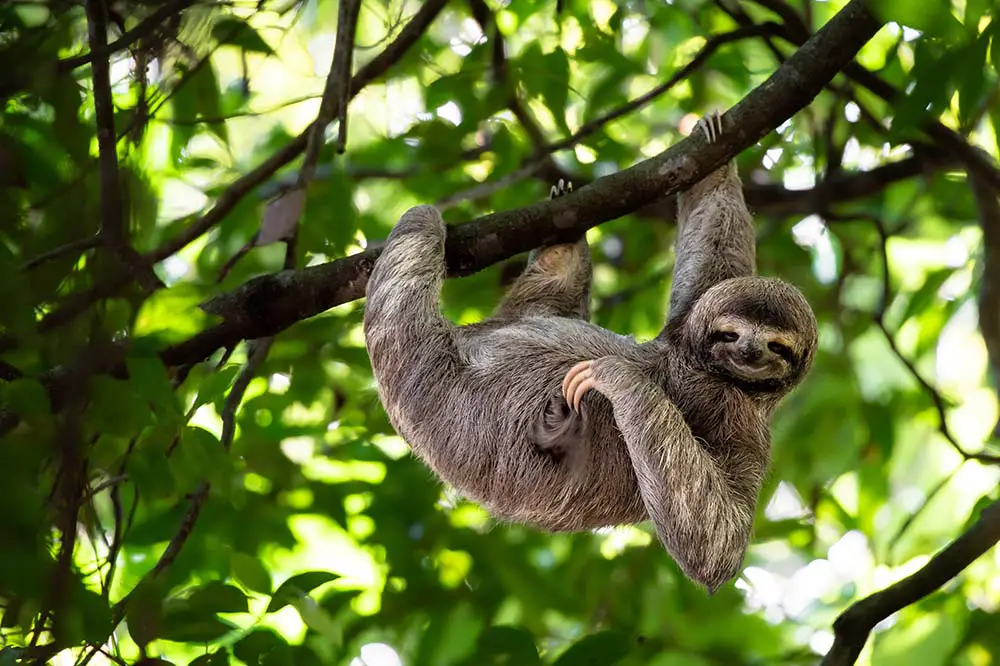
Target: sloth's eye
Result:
[[725, 336], [780, 349]]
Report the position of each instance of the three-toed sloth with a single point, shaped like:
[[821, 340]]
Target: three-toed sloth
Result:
[[547, 419]]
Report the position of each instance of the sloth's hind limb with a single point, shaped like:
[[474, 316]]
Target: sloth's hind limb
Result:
[[556, 281]]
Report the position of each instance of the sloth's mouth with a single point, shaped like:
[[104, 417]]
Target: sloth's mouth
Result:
[[749, 371], [752, 370]]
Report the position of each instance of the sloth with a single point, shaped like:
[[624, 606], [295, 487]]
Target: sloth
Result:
[[549, 420]]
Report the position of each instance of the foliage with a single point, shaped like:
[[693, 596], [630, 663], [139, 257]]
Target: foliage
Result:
[[264, 512]]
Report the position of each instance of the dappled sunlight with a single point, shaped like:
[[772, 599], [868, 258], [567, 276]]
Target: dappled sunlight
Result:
[[377, 654]]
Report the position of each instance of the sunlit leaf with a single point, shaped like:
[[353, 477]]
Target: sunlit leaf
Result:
[[217, 597], [172, 314], [297, 586], [238, 33], [250, 572]]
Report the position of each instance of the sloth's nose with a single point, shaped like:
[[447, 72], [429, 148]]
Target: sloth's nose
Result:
[[751, 351]]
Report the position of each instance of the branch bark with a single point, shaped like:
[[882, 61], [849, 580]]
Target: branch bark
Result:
[[268, 304], [988, 207], [852, 628], [114, 227]]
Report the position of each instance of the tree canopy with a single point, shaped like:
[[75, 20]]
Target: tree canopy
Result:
[[192, 195]]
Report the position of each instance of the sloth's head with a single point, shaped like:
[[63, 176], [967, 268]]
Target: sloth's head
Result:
[[758, 333]]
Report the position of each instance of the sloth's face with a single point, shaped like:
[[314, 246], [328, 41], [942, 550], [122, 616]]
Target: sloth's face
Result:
[[756, 355]]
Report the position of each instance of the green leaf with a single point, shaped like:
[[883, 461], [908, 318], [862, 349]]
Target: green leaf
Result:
[[204, 453], [995, 47], [115, 409], [260, 644], [505, 645], [217, 597], [187, 625], [214, 386], [171, 314], [604, 648], [975, 10], [973, 81], [144, 611], [250, 572], [921, 299], [933, 17], [27, 398], [239, 33], [546, 75], [145, 465], [297, 586], [149, 377]]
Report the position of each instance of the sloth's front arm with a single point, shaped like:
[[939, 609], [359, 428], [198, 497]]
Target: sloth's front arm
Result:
[[703, 514]]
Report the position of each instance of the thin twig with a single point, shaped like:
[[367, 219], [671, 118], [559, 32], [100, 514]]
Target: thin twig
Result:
[[936, 398], [79, 245], [144, 29], [113, 223], [337, 91]]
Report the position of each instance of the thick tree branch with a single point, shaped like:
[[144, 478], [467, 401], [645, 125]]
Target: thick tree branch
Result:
[[268, 304], [853, 626]]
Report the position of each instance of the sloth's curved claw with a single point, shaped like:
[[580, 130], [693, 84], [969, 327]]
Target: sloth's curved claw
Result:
[[577, 382]]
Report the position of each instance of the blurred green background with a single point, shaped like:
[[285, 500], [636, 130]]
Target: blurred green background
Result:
[[321, 541]]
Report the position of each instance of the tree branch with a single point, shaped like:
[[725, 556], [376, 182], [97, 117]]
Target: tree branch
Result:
[[851, 629], [988, 208], [268, 304], [144, 29], [114, 228]]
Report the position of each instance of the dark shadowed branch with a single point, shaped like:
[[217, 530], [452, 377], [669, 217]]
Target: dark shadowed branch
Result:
[[852, 628], [988, 208]]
